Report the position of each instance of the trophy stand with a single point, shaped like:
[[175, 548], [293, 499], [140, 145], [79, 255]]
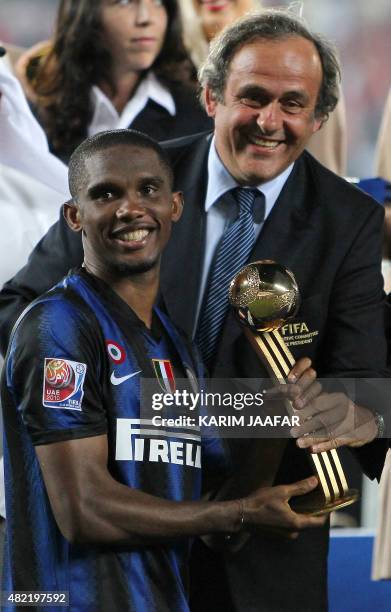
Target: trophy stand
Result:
[[266, 295]]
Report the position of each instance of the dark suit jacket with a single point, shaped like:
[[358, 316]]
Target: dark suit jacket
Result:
[[329, 234], [190, 117]]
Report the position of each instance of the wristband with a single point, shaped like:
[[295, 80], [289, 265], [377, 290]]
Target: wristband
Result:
[[241, 513], [228, 536], [381, 426]]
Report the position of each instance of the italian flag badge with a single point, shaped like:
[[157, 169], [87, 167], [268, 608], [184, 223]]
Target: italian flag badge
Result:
[[165, 374]]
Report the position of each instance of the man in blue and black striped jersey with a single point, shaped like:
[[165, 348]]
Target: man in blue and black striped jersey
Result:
[[100, 503]]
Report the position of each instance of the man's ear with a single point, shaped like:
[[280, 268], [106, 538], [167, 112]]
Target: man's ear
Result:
[[71, 213], [318, 123], [177, 206], [210, 101]]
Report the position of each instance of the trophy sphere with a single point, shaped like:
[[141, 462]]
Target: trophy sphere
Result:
[[265, 295]]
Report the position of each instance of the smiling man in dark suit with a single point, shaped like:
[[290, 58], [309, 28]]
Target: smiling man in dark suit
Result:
[[269, 84]]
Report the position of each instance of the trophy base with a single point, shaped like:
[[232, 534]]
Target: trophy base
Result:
[[316, 505]]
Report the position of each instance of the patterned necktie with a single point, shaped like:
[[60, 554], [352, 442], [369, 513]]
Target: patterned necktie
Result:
[[231, 255]]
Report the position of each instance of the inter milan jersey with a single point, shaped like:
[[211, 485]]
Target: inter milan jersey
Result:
[[74, 370]]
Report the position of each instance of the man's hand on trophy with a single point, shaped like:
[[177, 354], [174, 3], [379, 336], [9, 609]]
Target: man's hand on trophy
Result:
[[301, 386], [331, 420], [268, 509]]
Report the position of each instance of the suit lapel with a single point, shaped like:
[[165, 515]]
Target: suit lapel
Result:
[[182, 259], [284, 230]]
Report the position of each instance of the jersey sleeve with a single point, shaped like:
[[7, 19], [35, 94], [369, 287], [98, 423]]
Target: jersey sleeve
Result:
[[55, 372]]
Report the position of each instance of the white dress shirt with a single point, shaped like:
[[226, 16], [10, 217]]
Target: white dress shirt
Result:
[[219, 214], [106, 117]]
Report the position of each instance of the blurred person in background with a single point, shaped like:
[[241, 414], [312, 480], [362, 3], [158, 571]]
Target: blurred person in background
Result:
[[13, 54], [113, 64], [383, 161], [203, 20], [33, 185]]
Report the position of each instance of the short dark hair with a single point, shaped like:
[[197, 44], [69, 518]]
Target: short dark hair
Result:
[[270, 25], [105, 140]]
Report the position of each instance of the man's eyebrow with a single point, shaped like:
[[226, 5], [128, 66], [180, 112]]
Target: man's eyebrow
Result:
[[252, 90], [295, 93], [256, 91], [157, 179]]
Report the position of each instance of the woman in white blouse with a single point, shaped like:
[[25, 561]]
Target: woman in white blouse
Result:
[[113, 64]]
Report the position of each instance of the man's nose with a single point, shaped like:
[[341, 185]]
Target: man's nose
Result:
[[143, 14], [269, 118], [131, 207]]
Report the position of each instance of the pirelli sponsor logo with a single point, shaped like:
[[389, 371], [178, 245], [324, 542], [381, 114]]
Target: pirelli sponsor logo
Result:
[[139, 440]]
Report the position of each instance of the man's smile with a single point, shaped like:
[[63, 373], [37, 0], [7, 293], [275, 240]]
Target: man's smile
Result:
[[261, 141], [132, 236], [136, 235]]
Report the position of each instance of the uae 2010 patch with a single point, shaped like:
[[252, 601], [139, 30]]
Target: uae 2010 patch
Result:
[[63, 383], [165, 374]]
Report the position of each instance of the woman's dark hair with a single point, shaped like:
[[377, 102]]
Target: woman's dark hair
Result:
[[78, 58]]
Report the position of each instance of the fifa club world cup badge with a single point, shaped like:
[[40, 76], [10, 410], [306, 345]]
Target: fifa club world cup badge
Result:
[[63, 383]]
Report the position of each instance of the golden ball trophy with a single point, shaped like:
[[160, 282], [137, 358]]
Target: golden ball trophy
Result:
[[265, 296]]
